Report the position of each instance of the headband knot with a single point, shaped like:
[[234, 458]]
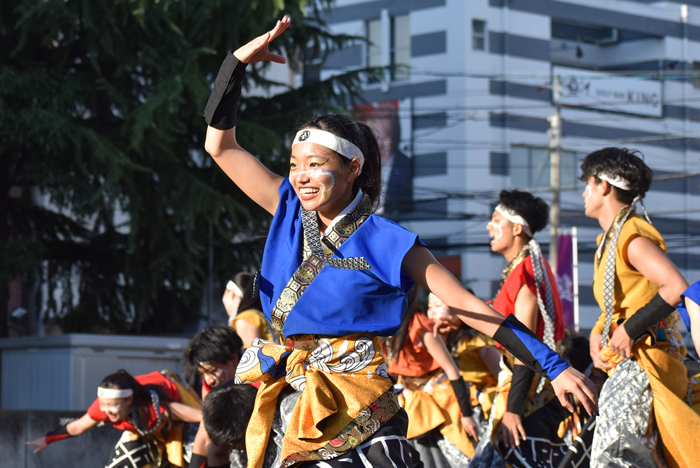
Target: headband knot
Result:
[[615, 181]]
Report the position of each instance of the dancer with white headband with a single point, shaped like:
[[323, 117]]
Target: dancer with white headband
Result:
[[525, 418], [244, 310], [333, 281], [644, 417], [151, 409]]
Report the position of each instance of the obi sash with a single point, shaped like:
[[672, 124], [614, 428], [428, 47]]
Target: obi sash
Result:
[[346, 394]]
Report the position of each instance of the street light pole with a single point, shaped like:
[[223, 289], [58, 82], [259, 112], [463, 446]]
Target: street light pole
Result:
[[555, 134]]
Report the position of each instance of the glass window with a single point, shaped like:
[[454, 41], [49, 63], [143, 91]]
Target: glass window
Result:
[[696, 74], [374, 46], [478, 34], [400, 47], [529, 168]]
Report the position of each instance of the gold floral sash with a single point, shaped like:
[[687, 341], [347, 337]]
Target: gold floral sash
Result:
[[346, 397]]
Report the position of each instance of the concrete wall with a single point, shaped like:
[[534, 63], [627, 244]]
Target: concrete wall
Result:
[[74, 365], [89, 450]]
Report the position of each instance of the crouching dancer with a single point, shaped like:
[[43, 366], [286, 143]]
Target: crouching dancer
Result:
[[149, 409]]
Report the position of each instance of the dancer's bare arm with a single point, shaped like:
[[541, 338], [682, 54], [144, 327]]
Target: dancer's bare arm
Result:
[[74, 428], [421, 266], [437, 349], [185, 413], [649, 260], [527, 311], [246, 171]]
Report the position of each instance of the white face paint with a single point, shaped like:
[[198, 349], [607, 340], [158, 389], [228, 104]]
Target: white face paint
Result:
[[587, 194], [498, 230], [436, 308], [322, 177]]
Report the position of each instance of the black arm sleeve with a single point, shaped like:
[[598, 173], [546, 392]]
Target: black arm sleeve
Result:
[[519, 340], [222, 107], [463, 398], [657, 309], [198, 461], [519, 388]]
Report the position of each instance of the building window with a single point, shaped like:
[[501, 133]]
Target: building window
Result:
[[478, 34], [400, 47], [389, 45], [529, 168], [696, 74]]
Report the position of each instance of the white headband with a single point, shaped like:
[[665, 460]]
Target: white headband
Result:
[[330, 141], [114, 392], [616, 181], [514, 218], [231, 286]]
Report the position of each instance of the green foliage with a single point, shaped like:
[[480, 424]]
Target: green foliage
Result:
[[100, 121]]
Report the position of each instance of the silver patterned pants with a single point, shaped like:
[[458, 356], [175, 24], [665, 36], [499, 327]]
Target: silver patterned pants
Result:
[[625, 434]]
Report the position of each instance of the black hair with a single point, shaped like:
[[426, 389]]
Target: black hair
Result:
[[226, 412], [533, 209], [362, 136], [122, 380], [250, 300], [218, 343], [395, 343], [623, 163], [576, 352]]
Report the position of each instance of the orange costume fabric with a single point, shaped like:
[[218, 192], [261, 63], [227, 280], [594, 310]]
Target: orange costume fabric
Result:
[[256, 319], [167, 440], [676, 399], [346, 394], [413, 359], [473, 370], [427, 394], [524, 274]]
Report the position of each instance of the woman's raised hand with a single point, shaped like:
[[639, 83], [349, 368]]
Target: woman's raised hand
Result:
[[257, 50]]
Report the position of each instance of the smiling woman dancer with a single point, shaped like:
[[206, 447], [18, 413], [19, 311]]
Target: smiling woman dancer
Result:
[[334, 269]]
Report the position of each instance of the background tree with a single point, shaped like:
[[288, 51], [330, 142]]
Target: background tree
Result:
[[117, 213]]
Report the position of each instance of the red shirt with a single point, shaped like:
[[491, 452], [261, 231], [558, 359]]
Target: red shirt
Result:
[[414, 360], [154, 378], [525, 274]]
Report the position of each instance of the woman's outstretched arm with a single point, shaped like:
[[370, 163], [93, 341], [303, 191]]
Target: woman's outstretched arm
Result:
[[73, 428], [421, 266], [246, 171]]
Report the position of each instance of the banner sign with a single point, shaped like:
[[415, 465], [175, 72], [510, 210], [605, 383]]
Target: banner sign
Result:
[[603, 91], [565, 273]]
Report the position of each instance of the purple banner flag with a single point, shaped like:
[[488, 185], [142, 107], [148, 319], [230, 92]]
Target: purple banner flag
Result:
[[565, 274]]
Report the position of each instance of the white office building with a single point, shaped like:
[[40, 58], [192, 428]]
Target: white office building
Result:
[[474, 99]]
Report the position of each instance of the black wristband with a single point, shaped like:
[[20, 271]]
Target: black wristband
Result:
[[222, 106], [225, 465], [657, 309], [198, 461], [519, 388], [463, 397]]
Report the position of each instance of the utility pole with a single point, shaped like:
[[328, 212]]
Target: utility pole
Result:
[[554, 133]]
